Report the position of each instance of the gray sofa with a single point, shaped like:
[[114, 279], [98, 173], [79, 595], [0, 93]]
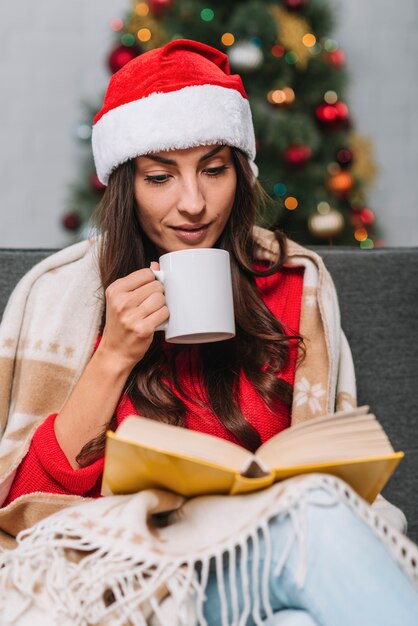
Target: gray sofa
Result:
[[378, 293]]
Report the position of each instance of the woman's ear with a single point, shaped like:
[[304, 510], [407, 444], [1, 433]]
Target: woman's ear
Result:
[[266, 245]]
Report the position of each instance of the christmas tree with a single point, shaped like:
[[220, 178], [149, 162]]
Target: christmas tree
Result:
[[312, 163]]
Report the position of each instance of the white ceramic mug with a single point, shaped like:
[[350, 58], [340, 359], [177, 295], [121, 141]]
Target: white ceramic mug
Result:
[[198, 292]]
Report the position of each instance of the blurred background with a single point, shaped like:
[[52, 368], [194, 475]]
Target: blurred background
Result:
[[332, 83]]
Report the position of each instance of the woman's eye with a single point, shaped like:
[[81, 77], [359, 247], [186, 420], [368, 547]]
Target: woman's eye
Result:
[[157, 180], [216, 171]]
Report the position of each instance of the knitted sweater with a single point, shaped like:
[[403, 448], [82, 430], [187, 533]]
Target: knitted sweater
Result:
[[45, 467]]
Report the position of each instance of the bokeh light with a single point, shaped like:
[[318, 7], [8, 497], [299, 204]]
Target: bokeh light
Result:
[[309, 40], [323, 208], [330, 97], [367, 244], [278, 51], [207, 15], [144, 34], [142, 9], [127, 39], [228, 39], [291, 203], [330, 45], [333, 168], [286, 95], [291, 57], [280, 189], [360, 234], [116, 24]]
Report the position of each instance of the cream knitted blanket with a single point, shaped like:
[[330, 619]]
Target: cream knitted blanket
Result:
[[47, 336]]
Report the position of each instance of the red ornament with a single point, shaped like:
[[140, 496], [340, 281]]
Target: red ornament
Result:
[[344, 157], [355, 220], [95, 183], [333, 116], [367, 217], [336, 58], [297, 154], [120, 56], [159, 7], [71, 221], [295, 5]]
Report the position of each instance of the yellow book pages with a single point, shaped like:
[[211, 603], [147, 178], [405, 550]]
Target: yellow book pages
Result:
[[130, 468], [366, 476]]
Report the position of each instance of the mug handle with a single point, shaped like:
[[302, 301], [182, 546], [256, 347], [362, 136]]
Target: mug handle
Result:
[[160, 277]]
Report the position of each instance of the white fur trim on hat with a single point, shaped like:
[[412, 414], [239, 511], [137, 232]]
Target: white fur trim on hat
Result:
[[192, 116]]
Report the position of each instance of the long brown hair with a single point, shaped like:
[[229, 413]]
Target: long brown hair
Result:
[[259, 350]]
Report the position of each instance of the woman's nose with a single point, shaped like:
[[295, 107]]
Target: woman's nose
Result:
[[191, 199]]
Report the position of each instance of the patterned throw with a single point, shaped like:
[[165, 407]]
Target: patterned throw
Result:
[[47, 336]]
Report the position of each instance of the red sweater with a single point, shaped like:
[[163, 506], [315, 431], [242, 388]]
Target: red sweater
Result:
[[45, 467]]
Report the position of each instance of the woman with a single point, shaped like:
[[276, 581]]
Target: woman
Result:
[[174, 142]]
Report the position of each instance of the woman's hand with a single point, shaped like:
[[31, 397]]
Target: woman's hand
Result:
[[135, 307]]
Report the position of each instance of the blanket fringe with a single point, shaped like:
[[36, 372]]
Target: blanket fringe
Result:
[[62, 565]]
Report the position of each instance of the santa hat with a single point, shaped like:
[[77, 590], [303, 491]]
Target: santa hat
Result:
[[178, 96]]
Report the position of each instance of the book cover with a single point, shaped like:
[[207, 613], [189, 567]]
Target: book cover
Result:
[[144, 454]]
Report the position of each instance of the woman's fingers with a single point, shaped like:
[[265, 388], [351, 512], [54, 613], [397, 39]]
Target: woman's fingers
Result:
[[146, 326], [138, 296], [135, 307], [131, 281], [151, 304]]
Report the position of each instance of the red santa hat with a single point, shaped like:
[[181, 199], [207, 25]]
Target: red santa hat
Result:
[[178, 96]]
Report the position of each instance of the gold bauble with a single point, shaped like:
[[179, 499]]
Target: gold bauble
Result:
[[291, 30], [326, 226], [364, 167]]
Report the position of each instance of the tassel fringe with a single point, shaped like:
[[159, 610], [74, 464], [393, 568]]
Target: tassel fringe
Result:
[[61, 565]]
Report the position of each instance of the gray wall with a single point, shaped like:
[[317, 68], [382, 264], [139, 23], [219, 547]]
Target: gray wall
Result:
[[53, 58], [381, 41]]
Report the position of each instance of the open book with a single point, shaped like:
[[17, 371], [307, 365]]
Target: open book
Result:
[[352, 445]]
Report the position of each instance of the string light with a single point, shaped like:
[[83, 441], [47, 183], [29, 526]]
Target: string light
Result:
[[278, 51], [142, 9], [333, 168], [309, 40], [207, 15], [144, 34], [280, 189], [330, 45], [360, 234], [367, 244], [291, 203], [286, 95], [316, 49], [331, 97], [291, 57], [127, 39], [323, 208], [277, 96], [116, 24], [228, 39]]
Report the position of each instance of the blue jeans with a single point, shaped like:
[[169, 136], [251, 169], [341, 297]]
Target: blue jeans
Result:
[[349, 576]]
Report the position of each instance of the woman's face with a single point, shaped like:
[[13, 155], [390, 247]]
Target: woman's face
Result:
[[185, 197]]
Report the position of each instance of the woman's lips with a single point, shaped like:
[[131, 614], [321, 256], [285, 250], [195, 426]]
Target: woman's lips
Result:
[[191, 234]]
